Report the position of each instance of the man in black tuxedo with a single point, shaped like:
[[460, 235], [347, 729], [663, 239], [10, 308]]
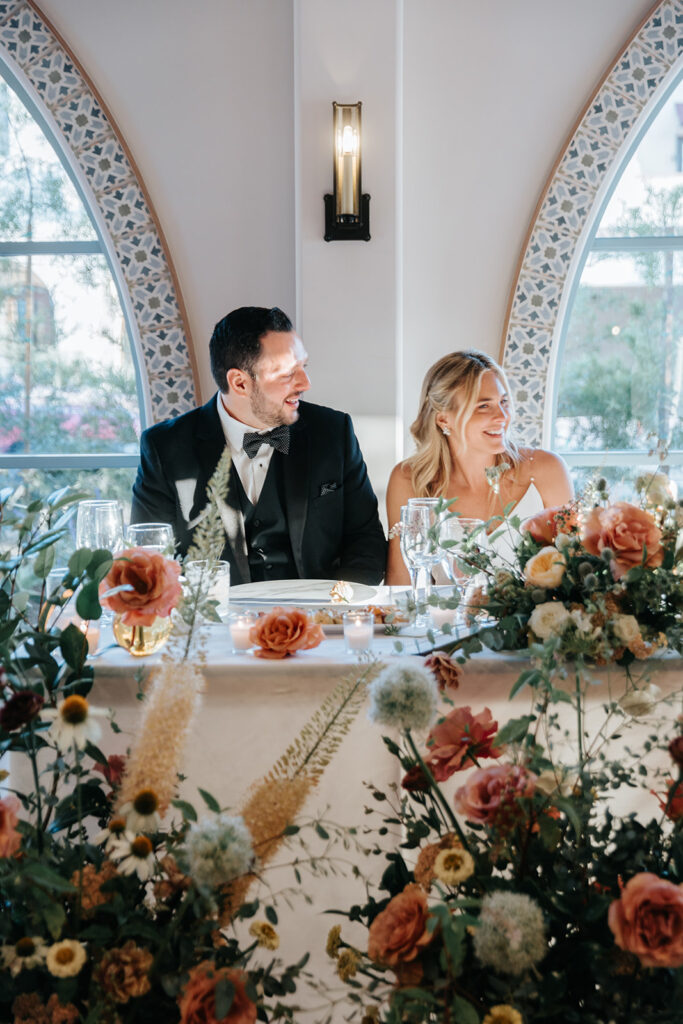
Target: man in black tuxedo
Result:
[[299, 503]]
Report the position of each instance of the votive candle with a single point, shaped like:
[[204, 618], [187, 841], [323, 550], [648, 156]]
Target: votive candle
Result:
[[441, 616], [358, 631], [240, 633]]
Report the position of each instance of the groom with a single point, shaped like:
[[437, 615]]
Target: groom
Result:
[[299, 503]]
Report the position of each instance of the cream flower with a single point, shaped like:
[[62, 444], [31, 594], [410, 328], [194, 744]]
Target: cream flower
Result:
[[66, 958], [657, 488], [29, 951], [265, 934], [453, 865], [640, 702], [114, 834], [546, 569], [73, 723], [142, 812], [583, 621], [626, 628], [137, 857], [549, 619]]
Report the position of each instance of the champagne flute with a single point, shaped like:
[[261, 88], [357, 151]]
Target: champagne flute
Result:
[[99, 524], [420, 549]]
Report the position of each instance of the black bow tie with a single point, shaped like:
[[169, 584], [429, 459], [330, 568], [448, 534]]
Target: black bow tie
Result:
[[277, 438]]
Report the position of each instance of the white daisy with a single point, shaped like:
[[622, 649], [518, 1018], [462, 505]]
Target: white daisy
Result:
[[29, 951], [65, 959], [137, 857], [73, 723], [114, 834], [142, 813]]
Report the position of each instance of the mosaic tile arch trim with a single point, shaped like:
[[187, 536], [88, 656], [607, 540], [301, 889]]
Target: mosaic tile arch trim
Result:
[[60, 87], [568, 207]]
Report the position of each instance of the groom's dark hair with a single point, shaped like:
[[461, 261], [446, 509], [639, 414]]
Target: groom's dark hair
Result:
[[236, 340]]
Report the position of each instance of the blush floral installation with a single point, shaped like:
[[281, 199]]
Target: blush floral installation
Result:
[[123, 902], [537, 865]]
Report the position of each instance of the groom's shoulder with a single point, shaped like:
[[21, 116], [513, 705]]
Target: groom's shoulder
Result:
[[322, 416], [186, 425]]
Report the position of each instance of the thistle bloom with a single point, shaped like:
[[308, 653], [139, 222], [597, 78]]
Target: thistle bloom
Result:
[[66, 958], [510, 936], [403, 696], [73, 723], [218, 850], [137, 857]]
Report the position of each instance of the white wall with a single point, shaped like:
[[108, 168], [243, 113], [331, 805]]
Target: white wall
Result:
[[226, 107]]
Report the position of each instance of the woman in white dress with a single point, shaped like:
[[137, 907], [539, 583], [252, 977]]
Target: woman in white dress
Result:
[[461, 431]]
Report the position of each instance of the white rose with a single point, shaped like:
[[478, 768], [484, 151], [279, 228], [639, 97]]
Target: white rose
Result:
[[581, 620], [545, 569], [549, 619], [626, 628], [640, 702]]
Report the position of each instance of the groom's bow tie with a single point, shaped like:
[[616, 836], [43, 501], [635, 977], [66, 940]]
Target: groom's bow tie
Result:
[[277, 438]]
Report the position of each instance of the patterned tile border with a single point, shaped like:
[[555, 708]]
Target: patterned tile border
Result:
[[553, 248], [61, 87]]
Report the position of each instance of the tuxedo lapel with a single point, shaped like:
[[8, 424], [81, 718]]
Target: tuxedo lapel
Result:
[[296, 471], [210, 446]]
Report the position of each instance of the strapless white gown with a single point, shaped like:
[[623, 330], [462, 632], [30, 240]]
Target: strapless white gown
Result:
[[506, 538]]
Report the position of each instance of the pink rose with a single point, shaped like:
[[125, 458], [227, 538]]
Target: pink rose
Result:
[[545, 525], [628, 531], [647, 920], [285, 631], [491, 795], [10, 838], [154, 579], [458, 738]]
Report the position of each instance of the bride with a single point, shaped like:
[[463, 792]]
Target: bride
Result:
[[461, 432]]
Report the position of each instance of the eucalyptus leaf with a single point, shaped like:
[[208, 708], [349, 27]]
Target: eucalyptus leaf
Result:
[[74, 647], [88, 601], [44, 562], [79, 561]]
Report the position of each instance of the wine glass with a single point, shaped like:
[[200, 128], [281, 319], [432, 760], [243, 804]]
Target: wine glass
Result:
[[99, 524], [151, 536], [420, 548], [462, 539]]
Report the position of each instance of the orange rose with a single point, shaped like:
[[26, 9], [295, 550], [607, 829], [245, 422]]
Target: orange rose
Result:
[[628, 531], [545, 525], [546, 569], [285, 631], [399, 932], [648, 920], [198, 1001], [155, 586]]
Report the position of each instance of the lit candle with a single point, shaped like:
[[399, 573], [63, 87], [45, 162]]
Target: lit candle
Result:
[[240, 630], [358, 630], [440, 616]]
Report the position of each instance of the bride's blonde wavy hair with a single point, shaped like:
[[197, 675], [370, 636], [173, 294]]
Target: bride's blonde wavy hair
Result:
[[451, 385]]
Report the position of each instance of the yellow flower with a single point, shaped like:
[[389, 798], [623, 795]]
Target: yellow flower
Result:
[[453, 866], [65, 958], [333, 940], [265, 934], [347, 964], [545, 569], [503, 1014]]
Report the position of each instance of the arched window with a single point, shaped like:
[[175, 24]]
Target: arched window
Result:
[[69, 388], [619, 377]]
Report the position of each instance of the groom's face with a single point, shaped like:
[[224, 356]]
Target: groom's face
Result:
[[279, 380]]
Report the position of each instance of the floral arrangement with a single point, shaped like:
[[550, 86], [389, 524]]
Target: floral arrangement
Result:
[[283, 632], [603, 579], [514, 893], [122, 902]]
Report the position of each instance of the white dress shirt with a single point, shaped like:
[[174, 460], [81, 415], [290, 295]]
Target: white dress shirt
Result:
[[252, 472]]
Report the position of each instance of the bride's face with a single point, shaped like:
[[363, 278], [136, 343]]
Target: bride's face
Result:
[[485, 430]]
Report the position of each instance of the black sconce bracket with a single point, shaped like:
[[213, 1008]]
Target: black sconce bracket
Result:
[[358, 230]]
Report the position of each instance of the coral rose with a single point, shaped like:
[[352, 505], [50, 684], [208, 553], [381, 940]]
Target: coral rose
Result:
[[546, 524], [490, 795], [198, 1001], [628, 531], [647, 920], [155, 586], [10, 838], [458, 739], [285, 631], [445, 670], [399, 932], [546, 569]]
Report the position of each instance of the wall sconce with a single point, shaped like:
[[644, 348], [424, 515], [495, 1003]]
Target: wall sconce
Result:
[[347, 211]]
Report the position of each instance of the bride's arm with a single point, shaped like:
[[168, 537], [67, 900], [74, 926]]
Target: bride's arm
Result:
[[398, 491], [551, 476]]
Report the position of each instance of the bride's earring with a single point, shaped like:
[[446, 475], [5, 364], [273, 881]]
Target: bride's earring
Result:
[[445, 431]]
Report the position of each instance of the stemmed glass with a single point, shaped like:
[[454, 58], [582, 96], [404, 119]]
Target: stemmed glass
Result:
[[99, 524], [460, 539], [420, 548], [151, 536]]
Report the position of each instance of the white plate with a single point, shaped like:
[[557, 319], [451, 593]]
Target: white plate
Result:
[[298, 592]]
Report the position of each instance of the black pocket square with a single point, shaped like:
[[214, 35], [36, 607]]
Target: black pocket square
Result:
[[328, 488]]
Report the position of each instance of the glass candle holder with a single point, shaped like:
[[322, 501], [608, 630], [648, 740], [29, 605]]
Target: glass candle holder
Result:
[[359, 629], [442, 616], [241, 624]]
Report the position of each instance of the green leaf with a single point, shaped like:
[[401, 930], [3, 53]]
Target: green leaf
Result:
[[224, 993], [187, 810], [88, 601], [66, 496], [210, 801], [99, 565], [74, 647], [514, 730], [321, 831], [44, 562], [79, 561], [530, 677], [568, 807], [54, 917], [46, 878], [464, 1012], [271, 914]]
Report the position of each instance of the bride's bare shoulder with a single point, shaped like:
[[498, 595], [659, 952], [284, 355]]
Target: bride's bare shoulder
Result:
[[549, 472], [399, 478]]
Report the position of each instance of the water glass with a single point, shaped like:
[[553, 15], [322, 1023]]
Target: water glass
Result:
[[214, 579], [420, 548], [151, 536], [465, 538], [99, 524]]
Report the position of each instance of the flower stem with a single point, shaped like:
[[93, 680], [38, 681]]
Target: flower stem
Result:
[[434, 788], [39, 804]]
